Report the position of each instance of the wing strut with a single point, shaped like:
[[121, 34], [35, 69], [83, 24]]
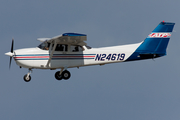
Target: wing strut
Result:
[[52, 52]]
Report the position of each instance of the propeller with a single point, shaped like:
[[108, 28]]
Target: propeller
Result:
[[12, 45]]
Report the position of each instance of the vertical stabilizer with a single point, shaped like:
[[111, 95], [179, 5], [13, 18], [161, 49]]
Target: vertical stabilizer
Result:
[[155, 44]]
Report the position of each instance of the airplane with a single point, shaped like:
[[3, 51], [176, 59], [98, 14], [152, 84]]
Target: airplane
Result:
[[69, 50]]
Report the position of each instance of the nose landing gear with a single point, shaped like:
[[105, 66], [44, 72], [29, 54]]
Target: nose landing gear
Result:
[[27, 77]]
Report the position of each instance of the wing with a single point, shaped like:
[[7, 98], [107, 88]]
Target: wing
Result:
[[69, 38], [43, 39]]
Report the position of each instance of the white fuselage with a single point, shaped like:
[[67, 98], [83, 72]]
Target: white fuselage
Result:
[[38, 58], [69, 50]]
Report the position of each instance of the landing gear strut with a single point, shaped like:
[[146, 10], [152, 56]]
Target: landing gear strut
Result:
[[27, 77], [59, 75]]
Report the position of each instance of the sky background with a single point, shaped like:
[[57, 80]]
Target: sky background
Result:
[[141, 90]]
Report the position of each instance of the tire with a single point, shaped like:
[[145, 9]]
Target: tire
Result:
[[26, 78], [57, 76], [66, 75]]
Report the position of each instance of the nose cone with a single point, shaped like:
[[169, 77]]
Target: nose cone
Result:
[[9, 54]]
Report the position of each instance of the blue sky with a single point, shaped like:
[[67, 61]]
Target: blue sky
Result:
[[142, 90]]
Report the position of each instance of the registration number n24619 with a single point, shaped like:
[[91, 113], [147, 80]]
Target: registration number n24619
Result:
[[113, 57]]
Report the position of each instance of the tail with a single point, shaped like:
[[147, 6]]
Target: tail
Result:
[[155, 44]]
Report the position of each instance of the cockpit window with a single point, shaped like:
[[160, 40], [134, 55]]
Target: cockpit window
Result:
[[44, 46]]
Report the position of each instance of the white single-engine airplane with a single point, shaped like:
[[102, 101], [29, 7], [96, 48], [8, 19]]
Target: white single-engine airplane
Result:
[[69, 50]]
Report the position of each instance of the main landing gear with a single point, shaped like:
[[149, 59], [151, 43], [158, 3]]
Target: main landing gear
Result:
[[59, 75]]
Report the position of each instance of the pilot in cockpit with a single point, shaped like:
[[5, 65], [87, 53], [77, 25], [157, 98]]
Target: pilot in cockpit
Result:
[[44, 46]]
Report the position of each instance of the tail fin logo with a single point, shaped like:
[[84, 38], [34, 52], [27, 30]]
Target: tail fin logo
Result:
[[160, 35]]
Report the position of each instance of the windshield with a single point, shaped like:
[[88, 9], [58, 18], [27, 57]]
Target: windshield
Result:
[[88, 47], [44, 46]]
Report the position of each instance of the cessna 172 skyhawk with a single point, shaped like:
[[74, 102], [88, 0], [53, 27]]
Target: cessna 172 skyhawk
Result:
[[69, 50]]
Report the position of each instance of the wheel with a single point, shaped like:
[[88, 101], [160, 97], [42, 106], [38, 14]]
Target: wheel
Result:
[[27, 78], [66, 75], [57, 76]]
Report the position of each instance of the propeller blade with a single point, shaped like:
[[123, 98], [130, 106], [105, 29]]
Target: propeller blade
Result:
[[10, 62], [12, 45]]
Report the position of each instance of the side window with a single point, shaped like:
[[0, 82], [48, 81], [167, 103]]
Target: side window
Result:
[[61, 47], [76, 48]]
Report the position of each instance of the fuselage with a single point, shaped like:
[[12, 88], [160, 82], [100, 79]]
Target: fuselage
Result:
[[38, 58]]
